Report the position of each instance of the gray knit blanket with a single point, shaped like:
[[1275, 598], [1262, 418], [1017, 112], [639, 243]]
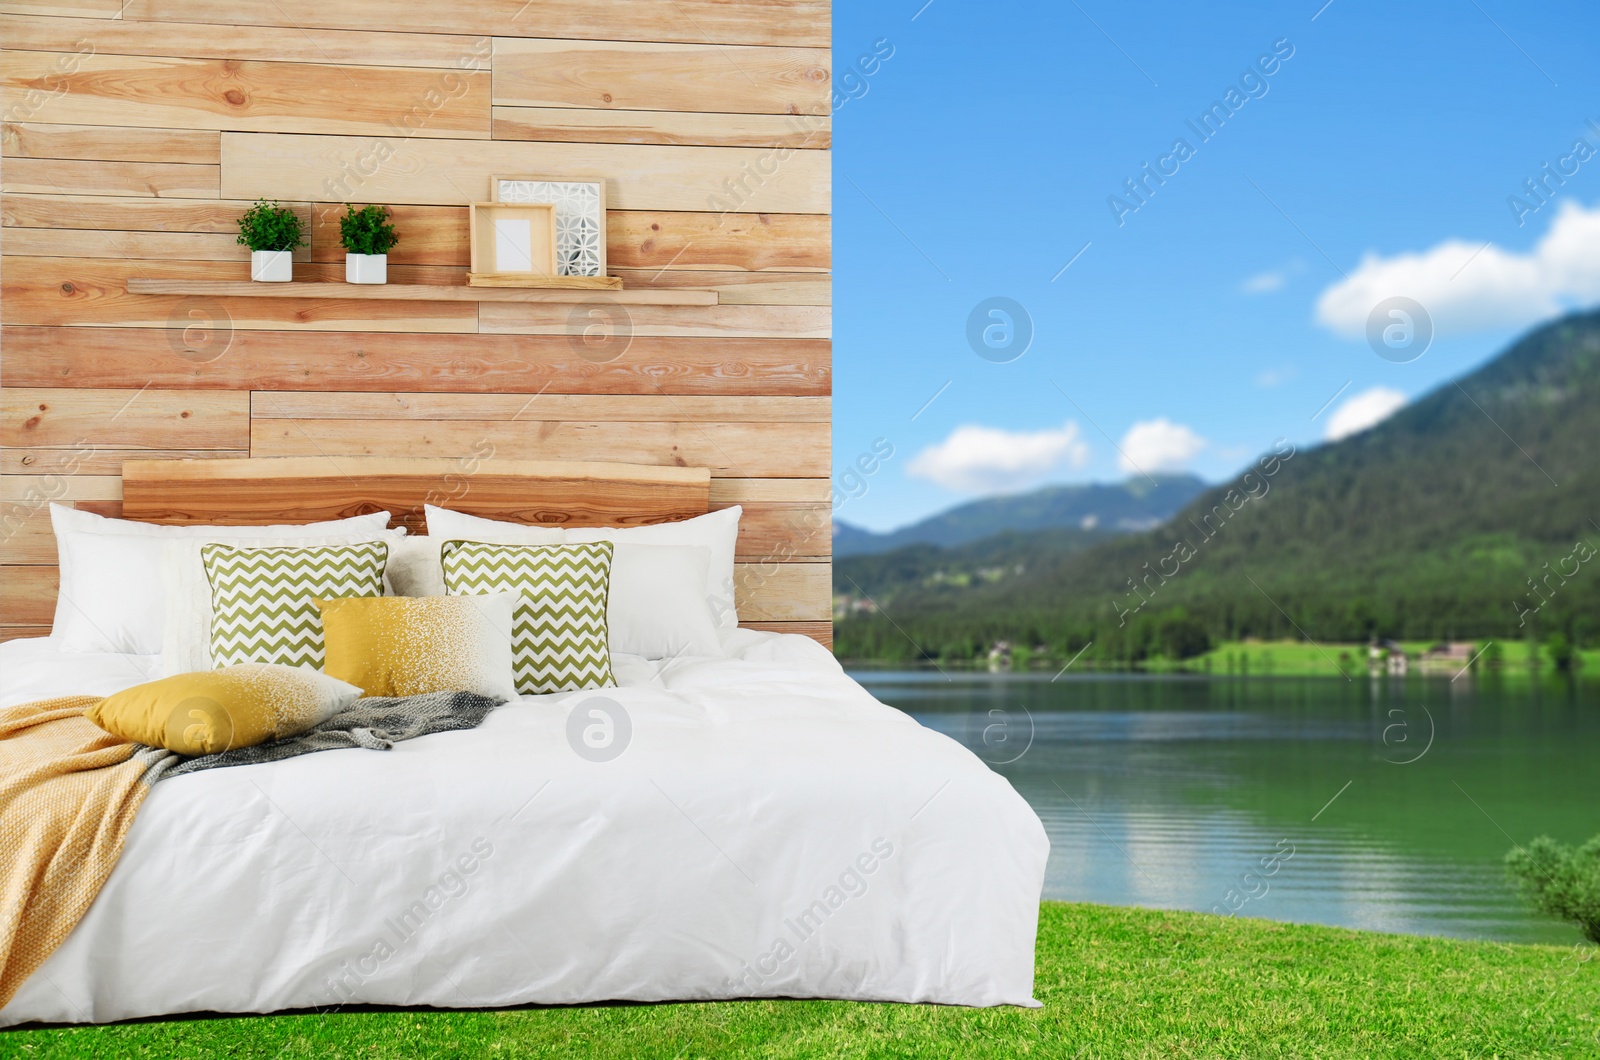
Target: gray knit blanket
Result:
[[377, 724]]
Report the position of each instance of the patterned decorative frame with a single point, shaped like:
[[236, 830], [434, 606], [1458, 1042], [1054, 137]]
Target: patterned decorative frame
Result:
[[580, 204]]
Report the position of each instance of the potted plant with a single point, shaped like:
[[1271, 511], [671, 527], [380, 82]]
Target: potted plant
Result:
[[271, 232], [367, 236]]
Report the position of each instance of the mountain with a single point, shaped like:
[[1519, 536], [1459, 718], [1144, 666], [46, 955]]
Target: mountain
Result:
[[1137, 504], [1470, 513], [885, 575]]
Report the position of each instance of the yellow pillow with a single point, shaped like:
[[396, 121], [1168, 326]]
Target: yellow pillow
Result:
[[218, 710], [412, 645]]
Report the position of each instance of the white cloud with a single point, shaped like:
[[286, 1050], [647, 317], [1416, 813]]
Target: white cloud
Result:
[[1158, 445], [976, 459], [1468, 286], [1363, 410], [1264, 283]]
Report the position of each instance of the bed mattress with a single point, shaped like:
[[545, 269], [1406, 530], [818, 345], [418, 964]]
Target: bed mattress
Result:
[[766, 829]]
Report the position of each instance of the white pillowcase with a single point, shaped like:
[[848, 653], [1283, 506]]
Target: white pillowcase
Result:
[[445, 525], [186, 631], [657, 606], [111, 597], [717, 533], [414, 567]]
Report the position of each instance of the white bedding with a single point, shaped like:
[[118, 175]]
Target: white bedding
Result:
[[751, 788]]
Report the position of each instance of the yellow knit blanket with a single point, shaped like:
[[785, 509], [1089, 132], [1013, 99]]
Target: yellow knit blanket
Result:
[[68, 793]]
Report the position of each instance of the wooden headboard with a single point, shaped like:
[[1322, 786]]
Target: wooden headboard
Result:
[[308, 489]]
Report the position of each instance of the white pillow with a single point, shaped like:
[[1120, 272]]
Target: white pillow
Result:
[[657, 606], [186, 631], [111, 597], [445, 525], [414, 568], [717, 533]]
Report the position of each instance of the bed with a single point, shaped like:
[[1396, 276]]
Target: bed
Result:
[[769, 830]]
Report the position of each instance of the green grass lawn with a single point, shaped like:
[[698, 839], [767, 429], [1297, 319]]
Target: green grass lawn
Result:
[[1298, 658], [1115, 982]]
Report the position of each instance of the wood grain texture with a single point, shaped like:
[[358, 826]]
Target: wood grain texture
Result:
[[246, 492], [746, 321], [33, 491], [783, 592], [797, 23], [804, 491], [731, 242], [629, 75], [397, 291], [97, 460], [136, 132], [50, 176], [648, 241], [198, 40], [767, 532], [366, 361], [175, 93], [781, 533], [290, 405], [577, 125], [732, 450], [429, 235], [28, 537], [424, 171], [97, 143], [82, 9], [155, 246], [821, 632], [75, 292], [736, 288], [127, 419], [118, 214], [28, 594], [18, 632]]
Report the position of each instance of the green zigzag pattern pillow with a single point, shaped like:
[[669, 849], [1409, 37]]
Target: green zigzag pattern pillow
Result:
[[262, 599], [558, 636]]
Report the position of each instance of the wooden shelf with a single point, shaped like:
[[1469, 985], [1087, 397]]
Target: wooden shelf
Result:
[[417, 292]]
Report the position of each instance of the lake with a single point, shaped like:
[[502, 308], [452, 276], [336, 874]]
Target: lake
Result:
[[1384, 804]]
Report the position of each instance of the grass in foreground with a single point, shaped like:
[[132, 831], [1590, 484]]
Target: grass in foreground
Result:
[[1115, 982]]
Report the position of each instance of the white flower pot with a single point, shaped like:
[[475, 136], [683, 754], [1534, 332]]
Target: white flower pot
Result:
[[272, 266], [366, 268]]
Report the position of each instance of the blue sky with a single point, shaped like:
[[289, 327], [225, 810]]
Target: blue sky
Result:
[[1375, 162]]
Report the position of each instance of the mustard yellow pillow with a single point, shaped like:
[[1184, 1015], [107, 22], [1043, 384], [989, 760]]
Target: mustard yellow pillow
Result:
[[218, 710], [412, 645]]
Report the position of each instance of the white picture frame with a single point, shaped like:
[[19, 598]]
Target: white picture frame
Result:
[[580, 204]]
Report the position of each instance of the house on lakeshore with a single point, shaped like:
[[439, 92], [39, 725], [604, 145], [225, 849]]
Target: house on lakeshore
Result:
[[1447, 657]]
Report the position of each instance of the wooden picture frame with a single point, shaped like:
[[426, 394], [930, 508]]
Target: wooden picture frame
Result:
[[580, 203], [512, 244]]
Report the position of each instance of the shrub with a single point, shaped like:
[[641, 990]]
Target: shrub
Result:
[[1560, 650], [367, 230], [1561, 881], [268, 226]]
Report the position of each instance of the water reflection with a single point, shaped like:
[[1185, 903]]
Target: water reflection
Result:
[[1397, 798]]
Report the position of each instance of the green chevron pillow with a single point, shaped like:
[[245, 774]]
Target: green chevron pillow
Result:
[[558, 636], [264, 599]]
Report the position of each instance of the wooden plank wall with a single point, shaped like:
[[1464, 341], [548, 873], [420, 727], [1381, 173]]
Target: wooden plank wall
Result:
[[136, 131]]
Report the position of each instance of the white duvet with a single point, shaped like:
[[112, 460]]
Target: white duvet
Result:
[[768, 830]]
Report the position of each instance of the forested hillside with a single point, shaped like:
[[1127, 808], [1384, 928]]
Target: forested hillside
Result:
[[1470, 513]]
